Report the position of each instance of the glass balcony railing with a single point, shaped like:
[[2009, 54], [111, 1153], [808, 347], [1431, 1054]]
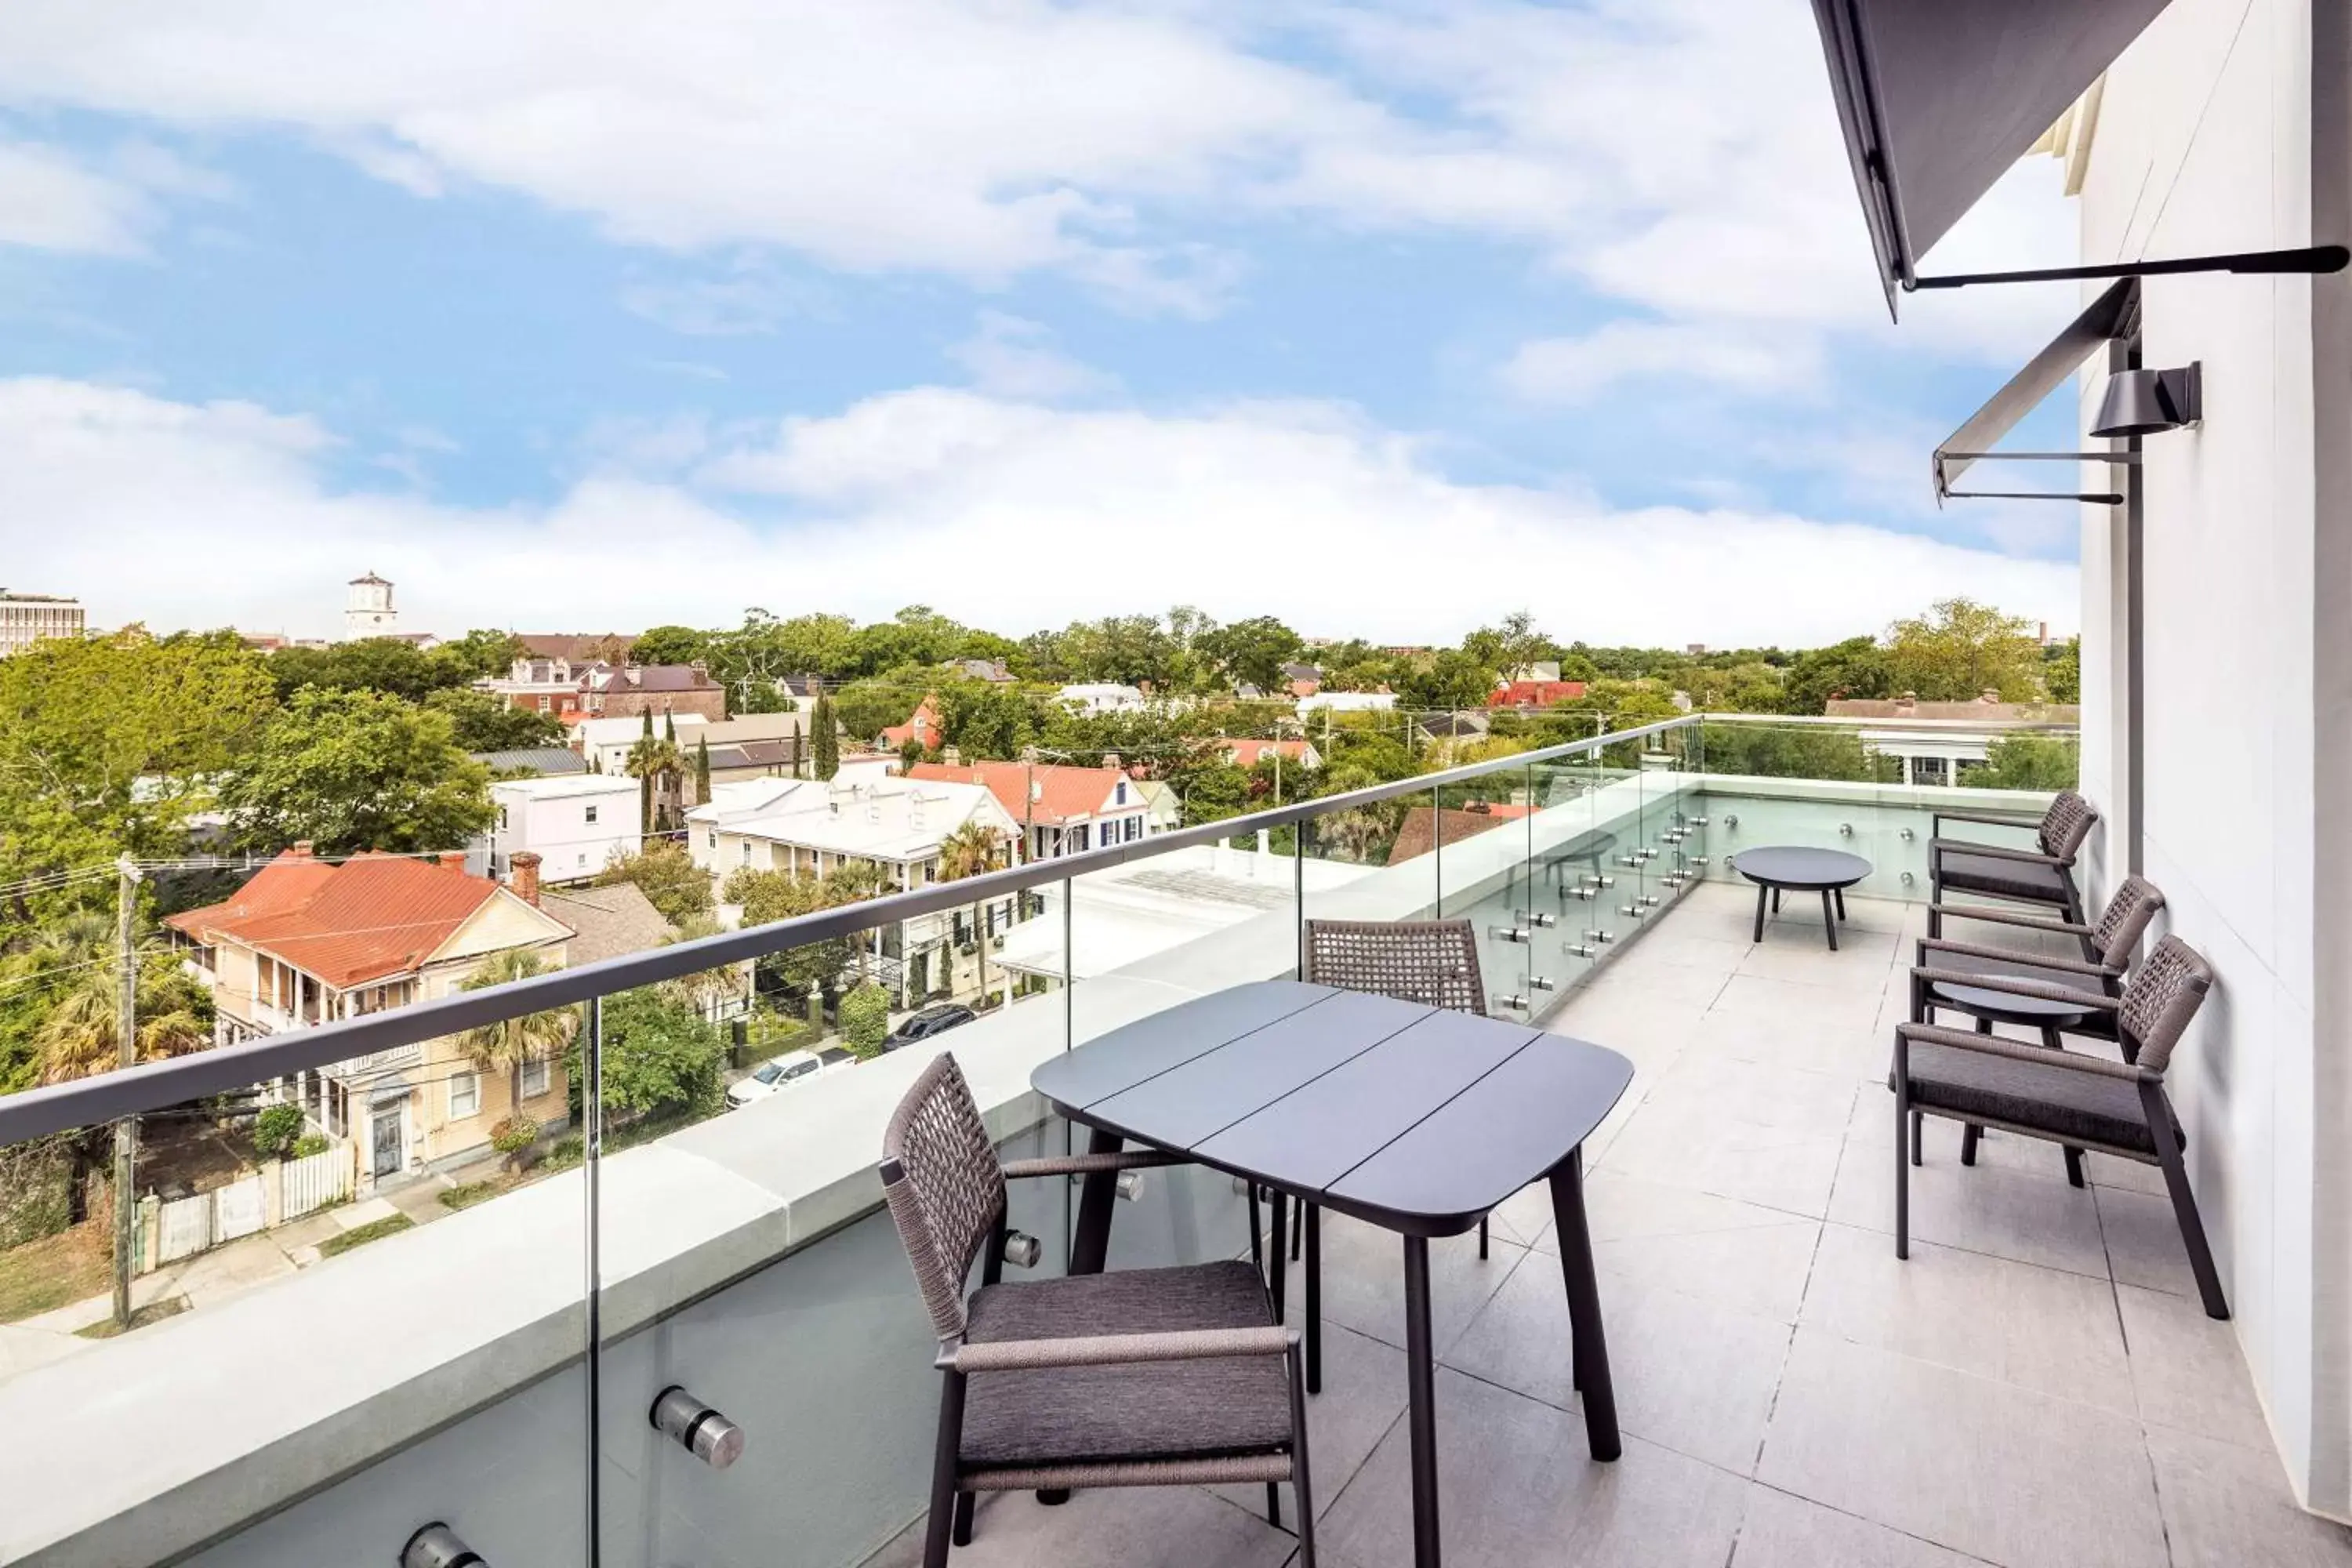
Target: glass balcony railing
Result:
[[293, 1301]]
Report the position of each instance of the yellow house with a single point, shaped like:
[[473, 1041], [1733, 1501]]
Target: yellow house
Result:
[[307, 942]]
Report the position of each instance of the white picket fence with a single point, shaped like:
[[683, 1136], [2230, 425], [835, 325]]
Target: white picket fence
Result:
[[185, 1228], [314, 1181]]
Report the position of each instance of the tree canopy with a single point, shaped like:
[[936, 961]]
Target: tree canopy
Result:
[[350, 770], [1961, 649]]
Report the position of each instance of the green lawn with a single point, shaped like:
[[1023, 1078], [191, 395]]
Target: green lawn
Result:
[[360, 1235]]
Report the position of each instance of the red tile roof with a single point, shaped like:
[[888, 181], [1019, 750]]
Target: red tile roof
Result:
[[370, 917], [1418, 835], [922, 725], [1249, 754], [1535, 693], [1063, 792]]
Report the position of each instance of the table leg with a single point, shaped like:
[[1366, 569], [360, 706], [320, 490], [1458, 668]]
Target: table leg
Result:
[[1314, 1297], [1278, 1256], [1776, 901], [1588, 1348], [1420, 1389], [1971, 1133], [1090, 1245], [1841, 898], [1761, 893], [1828, 918]]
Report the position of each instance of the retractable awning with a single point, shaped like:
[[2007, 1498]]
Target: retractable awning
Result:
[[2112, 315], [1939, 96]]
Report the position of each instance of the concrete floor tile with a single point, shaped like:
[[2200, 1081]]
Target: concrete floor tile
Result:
[[2188, 1371], [1688, 1375], [2040, 1329], [1799, 954], [1779, 1169], [2009, 1214], [1518, 1489], [1363, 1281], [2226, 1506], [1784, 1531], [1985, 1468], [2144, 1244], [1135, 1527]]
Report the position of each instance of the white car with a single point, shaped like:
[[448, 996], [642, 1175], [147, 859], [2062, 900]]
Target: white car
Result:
[[784, 1071]]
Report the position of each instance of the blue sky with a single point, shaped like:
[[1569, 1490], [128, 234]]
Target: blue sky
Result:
[[1388, 318]]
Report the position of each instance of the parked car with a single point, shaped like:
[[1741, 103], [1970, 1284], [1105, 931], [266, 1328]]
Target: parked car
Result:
[[784, 1071], [927, 1023]]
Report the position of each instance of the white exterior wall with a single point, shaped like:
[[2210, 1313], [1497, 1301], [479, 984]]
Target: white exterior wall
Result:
[[555, 823], [2204, 144]]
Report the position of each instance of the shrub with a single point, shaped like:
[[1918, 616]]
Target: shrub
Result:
[[308, 1144], [276, 1130], [360, 1235], [513, 1134], [469, 1193], [563, 1155], [864, 1020]]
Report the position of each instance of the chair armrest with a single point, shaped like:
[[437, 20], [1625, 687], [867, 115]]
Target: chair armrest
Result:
[[2005, 918], [1996, 851], [2011, 986], [1929, 944], [2016, 1050], [1989, 818], [1115, 1350], [1086, 1164]]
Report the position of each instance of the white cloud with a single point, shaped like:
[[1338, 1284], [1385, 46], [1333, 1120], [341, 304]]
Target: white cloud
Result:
[[748, 299], [1014, 358], [49, 201], [1580, 369], [946, 498], [1678, 154]]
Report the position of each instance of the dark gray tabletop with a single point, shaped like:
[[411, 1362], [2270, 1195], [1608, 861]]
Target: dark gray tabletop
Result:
[[1957, 991], [1409, 1116], [1796, 867]]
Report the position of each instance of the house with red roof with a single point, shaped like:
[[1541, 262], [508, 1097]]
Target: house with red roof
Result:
[[922, 727], [1061, 809], [1530, 694], [309, 942], [1249, 754]]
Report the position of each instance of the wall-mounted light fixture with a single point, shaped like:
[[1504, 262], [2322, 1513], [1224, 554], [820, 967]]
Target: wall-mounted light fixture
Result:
[[2150, 401]]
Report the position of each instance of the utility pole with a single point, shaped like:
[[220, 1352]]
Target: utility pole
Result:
[[126, 1040]]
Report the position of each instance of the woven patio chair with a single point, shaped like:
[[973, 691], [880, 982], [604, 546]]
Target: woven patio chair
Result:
[[2068, 1097], [2112, 942], [1146, 1377], [1434, 962], [2044, 875]]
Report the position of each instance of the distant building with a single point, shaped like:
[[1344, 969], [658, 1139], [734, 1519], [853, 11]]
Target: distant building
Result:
[[1944, 743], [1062, 810], [1535, 693], [368, 610], [29, 618], [578, 825], [306, 941], [922, 727], [1348, 702], [992, 670], [580, 648], [1249, 754], [534, 761], [1104, 697], [557, 684]]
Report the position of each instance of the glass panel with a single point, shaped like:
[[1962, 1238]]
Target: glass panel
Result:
[[307, 1253]]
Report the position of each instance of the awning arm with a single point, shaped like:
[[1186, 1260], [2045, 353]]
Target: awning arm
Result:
[[2308, 258], [1944, 490], [2110, 316]]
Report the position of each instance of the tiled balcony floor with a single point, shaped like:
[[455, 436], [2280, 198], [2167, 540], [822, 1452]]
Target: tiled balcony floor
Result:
[[2037, 1387]]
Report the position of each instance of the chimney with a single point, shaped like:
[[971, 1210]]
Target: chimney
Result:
[[1990, 694], [452, 860], [526, 876], [301, 850], [1110, 761], [1908, 703], [951, 755]]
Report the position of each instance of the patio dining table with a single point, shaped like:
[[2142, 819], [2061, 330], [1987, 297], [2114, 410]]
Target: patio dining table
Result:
[[1411, 1118]]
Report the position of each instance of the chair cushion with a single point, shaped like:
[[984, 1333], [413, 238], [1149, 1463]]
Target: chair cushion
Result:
[[1235, 1405], [2006, 878], [2076, 1107]]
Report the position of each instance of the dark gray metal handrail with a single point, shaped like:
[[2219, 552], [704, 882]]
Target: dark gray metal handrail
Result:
[[152, 1086]]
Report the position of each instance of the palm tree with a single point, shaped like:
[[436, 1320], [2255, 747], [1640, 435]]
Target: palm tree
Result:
[[80, 1038], [509, 1044], [970, 851], [652, 760], [706, 990], [854, 882]]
